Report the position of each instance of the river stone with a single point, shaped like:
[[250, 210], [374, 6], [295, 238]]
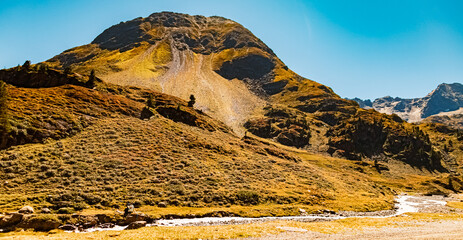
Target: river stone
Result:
[[136, 225], [26, 210], [68, 227], [106, 225]]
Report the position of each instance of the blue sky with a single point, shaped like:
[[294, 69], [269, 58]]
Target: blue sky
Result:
[[366, 48]]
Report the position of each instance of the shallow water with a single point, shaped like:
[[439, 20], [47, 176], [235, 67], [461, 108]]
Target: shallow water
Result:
[[404, 204]]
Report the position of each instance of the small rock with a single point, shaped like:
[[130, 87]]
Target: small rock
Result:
[[136, 225], [26, 210], [162, 204], [45, 210], [106, 225], [68, 227], [302, 211]]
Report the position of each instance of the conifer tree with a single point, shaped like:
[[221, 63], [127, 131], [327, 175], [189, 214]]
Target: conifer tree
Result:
[[91, 79], [192, 101], [4, 125]]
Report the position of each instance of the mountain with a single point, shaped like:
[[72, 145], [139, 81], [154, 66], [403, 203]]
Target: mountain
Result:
[[238, 80], [219, 61], [446, 98], [109, 122]]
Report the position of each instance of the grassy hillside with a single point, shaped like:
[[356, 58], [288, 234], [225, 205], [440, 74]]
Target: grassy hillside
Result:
[[88, 148]]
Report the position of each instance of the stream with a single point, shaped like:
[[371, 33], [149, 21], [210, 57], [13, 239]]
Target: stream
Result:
[[404, 204]]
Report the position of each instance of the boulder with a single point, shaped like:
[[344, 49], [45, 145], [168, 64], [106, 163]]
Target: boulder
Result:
[[103, 218], [162, 204], [45, 210], [40, 222], [134, 218], [89, 221], [136, 225], [10, 220], [68, 227], [26, 210]]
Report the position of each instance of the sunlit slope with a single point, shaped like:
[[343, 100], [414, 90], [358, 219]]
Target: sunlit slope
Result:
[[77, 147], [238, 80]]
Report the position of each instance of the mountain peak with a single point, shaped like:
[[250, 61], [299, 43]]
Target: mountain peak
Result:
[[448, 88], [445, 98], [195, 32]]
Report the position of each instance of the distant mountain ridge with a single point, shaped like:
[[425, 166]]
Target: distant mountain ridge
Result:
[[445, 98]]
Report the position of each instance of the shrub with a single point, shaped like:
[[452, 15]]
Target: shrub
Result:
[[247, 197], [66, 210], [150, 101]]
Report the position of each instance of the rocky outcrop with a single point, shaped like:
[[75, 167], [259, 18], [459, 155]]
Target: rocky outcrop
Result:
[[365, 135], [282, 125], [186, 115], [34, 78]]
